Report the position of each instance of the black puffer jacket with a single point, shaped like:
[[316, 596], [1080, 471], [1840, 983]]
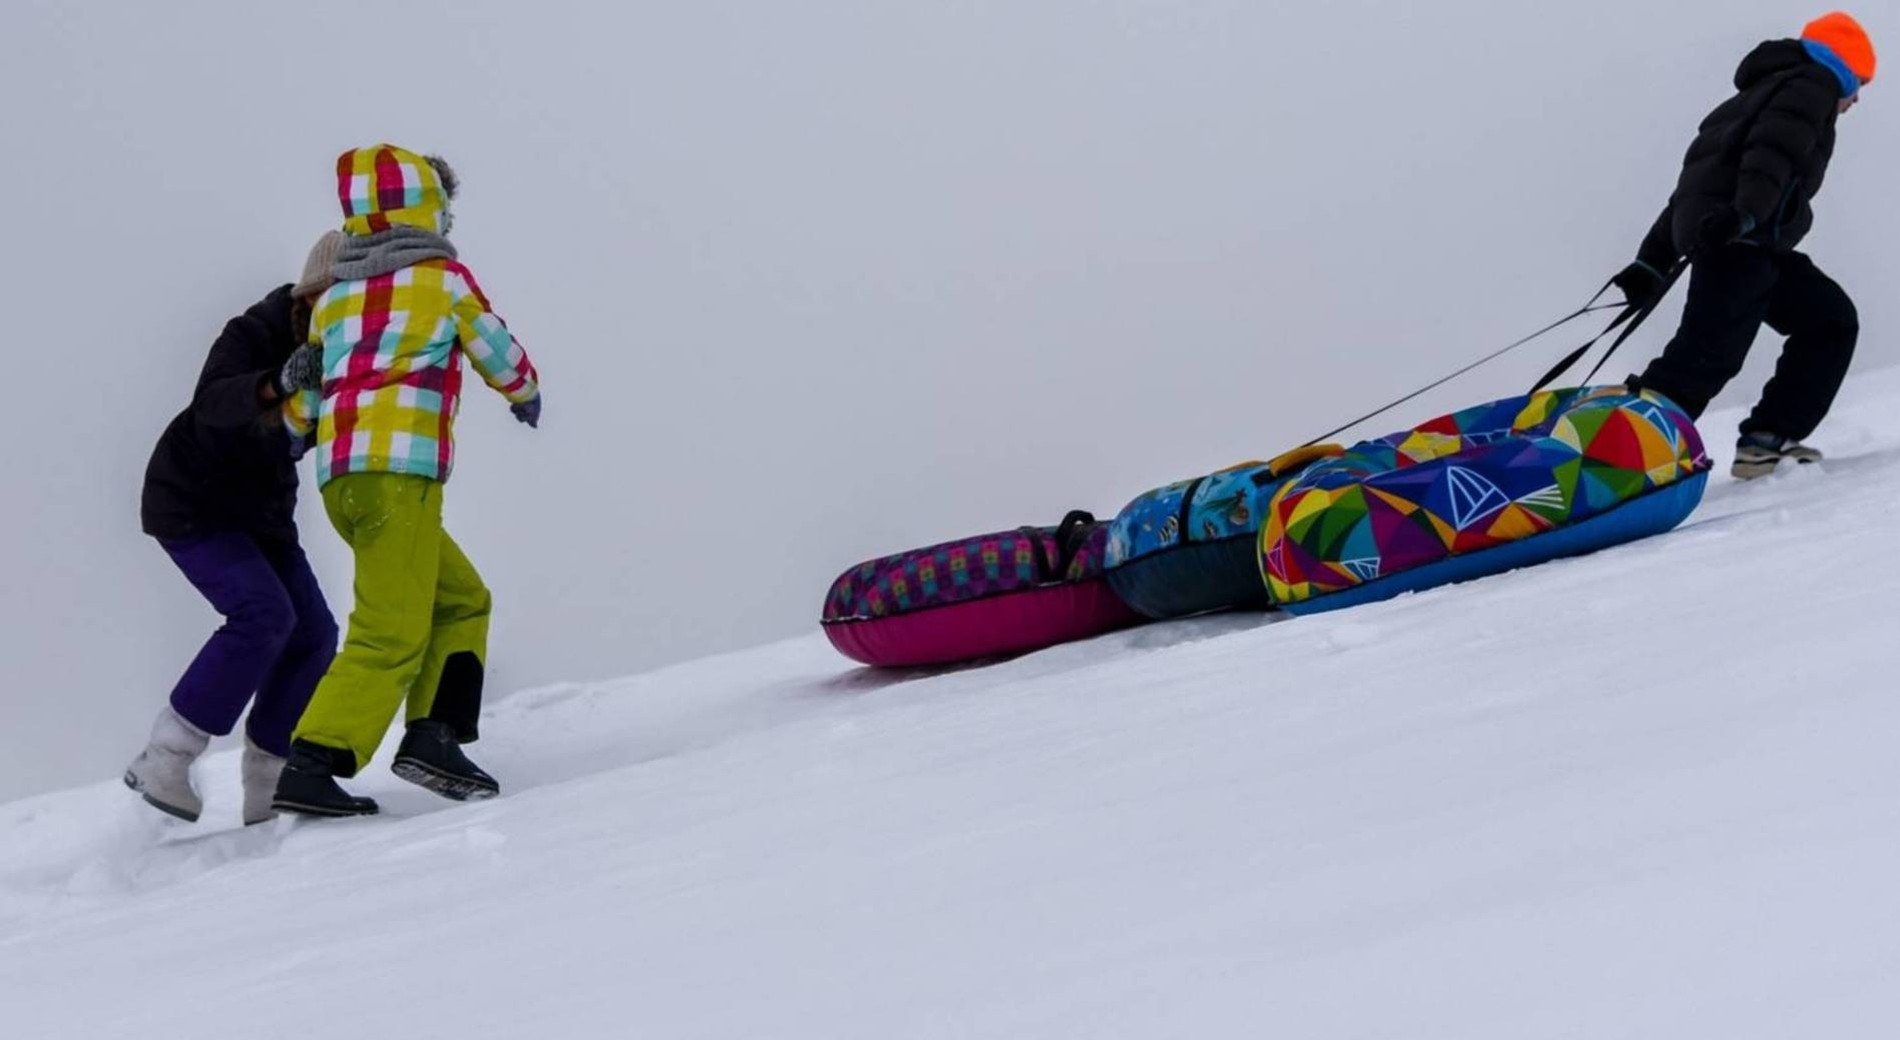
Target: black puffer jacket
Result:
[[1764, 151], [224, 464]]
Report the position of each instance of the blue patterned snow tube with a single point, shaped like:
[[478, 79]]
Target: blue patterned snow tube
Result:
[[1193, 546]]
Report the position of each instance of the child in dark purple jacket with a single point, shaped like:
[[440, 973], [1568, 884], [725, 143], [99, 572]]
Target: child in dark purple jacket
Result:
[[220, 496]]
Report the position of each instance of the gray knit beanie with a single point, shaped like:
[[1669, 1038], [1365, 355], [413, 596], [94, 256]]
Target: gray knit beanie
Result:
[[316, 269]]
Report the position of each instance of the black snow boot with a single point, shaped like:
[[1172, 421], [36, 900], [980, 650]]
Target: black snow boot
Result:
[[431, 757], [308, 786]]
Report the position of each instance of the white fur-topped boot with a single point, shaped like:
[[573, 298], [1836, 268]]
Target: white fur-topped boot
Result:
[[261, 769], [162, 772]]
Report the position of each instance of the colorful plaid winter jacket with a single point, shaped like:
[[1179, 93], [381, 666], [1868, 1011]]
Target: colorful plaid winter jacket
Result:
[[393, 344]]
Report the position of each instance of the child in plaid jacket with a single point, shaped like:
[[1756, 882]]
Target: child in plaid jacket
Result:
[[394, 331], [393, 339]]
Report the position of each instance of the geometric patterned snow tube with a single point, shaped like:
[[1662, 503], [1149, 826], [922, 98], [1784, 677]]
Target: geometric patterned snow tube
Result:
[[1005, 593], [1477, 492]]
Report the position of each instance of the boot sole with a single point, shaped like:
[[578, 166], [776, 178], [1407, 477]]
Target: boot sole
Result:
[[170, 810], [327, 812], [1756, 470], [454, 788]]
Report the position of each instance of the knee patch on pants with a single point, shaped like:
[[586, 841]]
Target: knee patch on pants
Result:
[[458, 697]]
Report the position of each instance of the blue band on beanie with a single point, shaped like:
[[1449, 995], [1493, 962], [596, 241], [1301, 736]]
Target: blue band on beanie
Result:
[[1821, 52]]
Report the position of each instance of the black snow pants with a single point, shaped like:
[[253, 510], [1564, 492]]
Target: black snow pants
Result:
[[1731, 293]]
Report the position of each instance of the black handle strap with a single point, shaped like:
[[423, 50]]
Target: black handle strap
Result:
[[1643, 316], [1589, 308], [1563, 364], [1071, 535], [1629, 321], [1070, 539]]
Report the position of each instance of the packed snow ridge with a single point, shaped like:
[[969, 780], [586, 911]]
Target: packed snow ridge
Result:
[[1644, 793]]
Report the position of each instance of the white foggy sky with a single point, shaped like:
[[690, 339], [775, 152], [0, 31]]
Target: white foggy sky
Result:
[[812, 282]]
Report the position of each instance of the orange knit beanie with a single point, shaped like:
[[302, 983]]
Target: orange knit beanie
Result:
[[1840, 33]]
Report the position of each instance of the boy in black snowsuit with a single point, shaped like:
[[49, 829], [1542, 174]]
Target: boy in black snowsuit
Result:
[[1741, 207]]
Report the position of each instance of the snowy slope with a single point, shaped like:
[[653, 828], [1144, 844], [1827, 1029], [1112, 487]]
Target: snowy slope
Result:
[[1649, 793]]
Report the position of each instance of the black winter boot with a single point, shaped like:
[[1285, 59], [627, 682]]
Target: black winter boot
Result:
[[308, 783], [431, 757]]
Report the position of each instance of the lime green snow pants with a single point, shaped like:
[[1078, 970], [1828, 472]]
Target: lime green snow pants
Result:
[[419, 601]]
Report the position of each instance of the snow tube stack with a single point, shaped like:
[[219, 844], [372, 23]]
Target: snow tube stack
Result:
[[1503, 485], [1193, 546], [1495, 487], [995, 594]]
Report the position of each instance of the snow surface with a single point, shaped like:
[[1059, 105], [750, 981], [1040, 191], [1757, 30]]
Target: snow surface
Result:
[[1649, 793]]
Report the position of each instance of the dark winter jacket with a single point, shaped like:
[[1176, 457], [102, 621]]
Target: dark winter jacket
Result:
[[1763, 152], [224, 464]]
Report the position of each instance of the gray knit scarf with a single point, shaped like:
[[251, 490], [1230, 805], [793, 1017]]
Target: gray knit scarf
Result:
[[385, 252]]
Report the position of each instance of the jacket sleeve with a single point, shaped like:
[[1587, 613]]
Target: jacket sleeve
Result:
[[1779, 142], [493, 351], [1658, 251], [230, 387]]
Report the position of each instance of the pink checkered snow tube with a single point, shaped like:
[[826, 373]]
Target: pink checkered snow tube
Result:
[[989, 596]]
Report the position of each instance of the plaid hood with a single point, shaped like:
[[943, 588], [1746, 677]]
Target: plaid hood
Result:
[[384, 186]]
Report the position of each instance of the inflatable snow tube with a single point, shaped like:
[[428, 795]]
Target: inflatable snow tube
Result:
[[1193, 546], [1482, 491], [996, 594]]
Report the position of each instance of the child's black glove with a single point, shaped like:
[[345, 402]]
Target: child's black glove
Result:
[[1642, 284], [528, 411]]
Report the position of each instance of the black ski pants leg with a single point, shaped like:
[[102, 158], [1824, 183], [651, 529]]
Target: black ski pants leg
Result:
[[1822, 327], [1732, 293]]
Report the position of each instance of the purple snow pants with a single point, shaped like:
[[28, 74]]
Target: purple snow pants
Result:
[[277, 640]]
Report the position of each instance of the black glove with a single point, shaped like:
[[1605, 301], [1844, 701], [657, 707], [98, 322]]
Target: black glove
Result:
[[1722, 227], [528, 411], [300, 446], [1642, 284], [303, 371]]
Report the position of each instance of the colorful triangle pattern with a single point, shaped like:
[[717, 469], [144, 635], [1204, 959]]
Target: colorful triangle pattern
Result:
[[1495, 473]]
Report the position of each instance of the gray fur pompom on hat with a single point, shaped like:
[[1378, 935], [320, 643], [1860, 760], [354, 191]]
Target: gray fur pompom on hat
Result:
[[450, 182]]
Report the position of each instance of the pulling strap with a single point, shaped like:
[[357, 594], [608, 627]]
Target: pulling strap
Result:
[[1630, 320], [1588, 308]]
